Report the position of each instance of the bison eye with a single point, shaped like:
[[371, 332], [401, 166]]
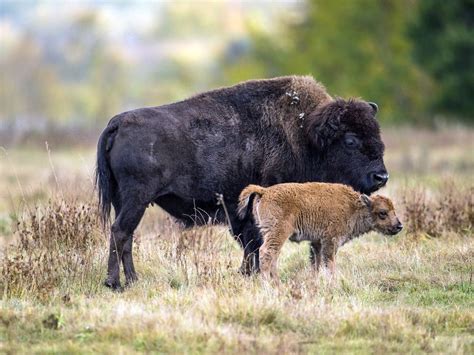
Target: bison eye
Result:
[[351, 141], [383, 214]]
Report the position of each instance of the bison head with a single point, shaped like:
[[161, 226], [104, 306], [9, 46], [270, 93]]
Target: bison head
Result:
[[346, 136]]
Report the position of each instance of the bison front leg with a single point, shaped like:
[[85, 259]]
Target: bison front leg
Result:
[[251, 242], [315, 254]]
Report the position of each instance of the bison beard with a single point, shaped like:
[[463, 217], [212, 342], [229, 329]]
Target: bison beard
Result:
[[181, 156]]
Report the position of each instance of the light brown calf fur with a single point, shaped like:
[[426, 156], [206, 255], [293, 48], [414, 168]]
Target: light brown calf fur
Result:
[[328, 215]]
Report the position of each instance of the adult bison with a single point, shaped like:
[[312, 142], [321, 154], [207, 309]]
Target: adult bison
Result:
[[182, 155]]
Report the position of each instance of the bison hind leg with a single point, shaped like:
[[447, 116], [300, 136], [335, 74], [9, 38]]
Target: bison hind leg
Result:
[[130, 212]]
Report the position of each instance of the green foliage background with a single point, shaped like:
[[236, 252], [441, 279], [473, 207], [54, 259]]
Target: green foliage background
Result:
[[414, 58], [444, 46]]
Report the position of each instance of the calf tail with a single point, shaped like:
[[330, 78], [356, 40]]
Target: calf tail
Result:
[[246, 200], [104, 179]]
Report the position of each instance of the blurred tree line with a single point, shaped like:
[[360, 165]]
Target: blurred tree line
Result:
[[443, 34], [414, 58]]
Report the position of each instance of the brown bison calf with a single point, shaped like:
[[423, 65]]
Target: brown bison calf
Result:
[[328, 215]]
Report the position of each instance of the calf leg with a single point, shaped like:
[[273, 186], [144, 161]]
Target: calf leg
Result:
[[271, 248], [269, 260], [121, 237], [328, 252]]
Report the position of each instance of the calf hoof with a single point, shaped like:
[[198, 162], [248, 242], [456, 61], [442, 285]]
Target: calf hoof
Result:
[[114, 285]]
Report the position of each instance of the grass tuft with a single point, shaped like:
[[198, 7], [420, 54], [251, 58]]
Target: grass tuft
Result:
[[450, 209], [56, 246]]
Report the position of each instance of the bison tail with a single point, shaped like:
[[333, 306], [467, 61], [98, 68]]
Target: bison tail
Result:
[[246, 200], [104, 179]]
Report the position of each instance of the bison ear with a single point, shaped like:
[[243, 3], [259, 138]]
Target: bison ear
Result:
[[374, 106], [366, 201], [323, 124]]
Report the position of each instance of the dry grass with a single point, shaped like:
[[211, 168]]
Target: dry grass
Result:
[[399, 295], [450, 209], [56, 244], [392, 295], [395, 295]]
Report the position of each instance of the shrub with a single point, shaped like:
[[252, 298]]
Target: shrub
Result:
[[56, 246], [448, 210]]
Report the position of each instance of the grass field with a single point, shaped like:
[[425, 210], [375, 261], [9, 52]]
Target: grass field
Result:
[[412, 293]]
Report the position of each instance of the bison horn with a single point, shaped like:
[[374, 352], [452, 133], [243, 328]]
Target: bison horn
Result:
[[374, 107]]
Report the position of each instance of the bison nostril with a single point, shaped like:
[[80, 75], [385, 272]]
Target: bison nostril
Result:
[[380, 179]]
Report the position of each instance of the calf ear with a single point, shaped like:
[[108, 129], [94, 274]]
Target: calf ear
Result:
[[366, 200], [323, 124]]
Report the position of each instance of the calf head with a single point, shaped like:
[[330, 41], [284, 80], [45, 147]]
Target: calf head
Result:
[[383, 214], [346, 137]]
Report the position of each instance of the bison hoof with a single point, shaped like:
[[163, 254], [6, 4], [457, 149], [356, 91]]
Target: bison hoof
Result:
[[114, 285], [131, 281], [248, 270], [244, 271]]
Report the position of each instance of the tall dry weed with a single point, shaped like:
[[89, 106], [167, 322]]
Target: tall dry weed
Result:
[[197, 253], [450, 209], [56, 246]]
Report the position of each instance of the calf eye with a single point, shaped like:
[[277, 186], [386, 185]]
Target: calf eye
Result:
[[351, 141], [383, 214]]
